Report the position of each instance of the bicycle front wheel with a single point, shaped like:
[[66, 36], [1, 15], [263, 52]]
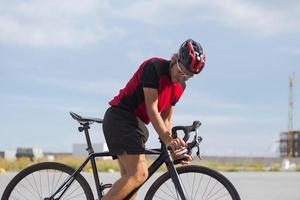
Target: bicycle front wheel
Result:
[[198, 182], [41, 180]]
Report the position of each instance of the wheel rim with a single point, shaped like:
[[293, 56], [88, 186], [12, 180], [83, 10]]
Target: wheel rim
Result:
[[43, 183], [197, 186]]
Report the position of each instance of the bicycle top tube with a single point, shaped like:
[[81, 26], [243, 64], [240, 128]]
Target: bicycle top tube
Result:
[[86, 121]]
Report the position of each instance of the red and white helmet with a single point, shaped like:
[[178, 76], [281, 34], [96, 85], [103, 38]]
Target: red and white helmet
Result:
[[192, 56]]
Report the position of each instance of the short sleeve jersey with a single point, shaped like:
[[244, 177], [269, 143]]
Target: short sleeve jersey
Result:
[[153, 73]]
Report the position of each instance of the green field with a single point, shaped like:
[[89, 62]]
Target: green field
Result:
[[111, 165]]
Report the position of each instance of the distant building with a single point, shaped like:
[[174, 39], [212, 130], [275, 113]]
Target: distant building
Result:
[[290, 144], [58, 154], [10, 154], [31, 152], [79, 150]]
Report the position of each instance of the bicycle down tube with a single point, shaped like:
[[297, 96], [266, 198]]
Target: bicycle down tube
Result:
[[164, 157]]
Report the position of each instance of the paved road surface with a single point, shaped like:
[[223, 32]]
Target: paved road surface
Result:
[[251, 185]]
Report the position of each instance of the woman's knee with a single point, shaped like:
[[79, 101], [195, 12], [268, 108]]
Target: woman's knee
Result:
[[122, 168], [135, 166], [140, 176]]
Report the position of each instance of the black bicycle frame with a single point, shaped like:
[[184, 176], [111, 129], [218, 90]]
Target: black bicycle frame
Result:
[[164, 157]]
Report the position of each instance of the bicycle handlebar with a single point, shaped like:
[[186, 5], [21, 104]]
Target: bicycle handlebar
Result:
[[186, 129]]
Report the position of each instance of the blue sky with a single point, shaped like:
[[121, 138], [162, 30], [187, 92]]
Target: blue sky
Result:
[[58, 56]]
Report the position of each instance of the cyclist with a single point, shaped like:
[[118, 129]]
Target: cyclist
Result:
[[149, 96]]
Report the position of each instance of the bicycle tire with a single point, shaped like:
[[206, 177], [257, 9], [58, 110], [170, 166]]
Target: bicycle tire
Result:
[[209, 185], [39, 181]]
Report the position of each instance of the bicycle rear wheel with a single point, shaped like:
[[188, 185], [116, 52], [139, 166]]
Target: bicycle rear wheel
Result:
[[199, 183], [41, 180]]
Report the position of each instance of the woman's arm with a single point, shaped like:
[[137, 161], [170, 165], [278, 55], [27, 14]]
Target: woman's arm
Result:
[[151, 101], [167, 117]]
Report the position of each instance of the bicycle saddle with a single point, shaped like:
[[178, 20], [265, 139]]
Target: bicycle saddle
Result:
[[85, 120]]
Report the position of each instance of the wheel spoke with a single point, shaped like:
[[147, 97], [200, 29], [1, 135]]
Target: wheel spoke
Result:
[[32, 187], [206, 188], [35, 192], [220, 197], [184, 188], [198, 187], [36, 186], [169, 193], [82, 193], [220, 189], [52, 182], [57, 182], [41, 184], [38, 182], [198, 183], [158, 197], [71, 192], [193, 186], [20, 194], [211, 190], [48, 185], [15, 198]]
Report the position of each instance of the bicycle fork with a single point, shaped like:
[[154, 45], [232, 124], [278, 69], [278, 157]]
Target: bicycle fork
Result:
[[176, 179]]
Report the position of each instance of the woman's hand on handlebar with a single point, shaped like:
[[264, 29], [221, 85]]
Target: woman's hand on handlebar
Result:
[[176, 144], [183, 158]]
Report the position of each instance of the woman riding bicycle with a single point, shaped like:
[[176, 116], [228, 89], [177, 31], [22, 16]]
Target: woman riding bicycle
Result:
[[149, 96]]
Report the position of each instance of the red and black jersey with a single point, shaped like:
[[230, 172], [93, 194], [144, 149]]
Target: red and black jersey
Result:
[[153, 73]]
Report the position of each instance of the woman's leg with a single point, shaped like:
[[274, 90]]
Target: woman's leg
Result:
[[135, 170]]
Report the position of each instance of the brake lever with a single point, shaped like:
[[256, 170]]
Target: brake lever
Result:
[[198, 153], [199, 139]]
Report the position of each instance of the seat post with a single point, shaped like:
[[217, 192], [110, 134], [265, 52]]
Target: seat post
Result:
[[90, 150], [86, 128]]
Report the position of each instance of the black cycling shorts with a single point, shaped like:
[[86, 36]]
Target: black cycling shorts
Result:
[[124, 132]]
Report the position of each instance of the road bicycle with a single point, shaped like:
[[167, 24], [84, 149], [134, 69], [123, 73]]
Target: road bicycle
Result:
[[56, 181]]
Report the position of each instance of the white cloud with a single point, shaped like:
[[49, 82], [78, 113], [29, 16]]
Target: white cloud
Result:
[[135, 55], [64, 23], [251, 17], [69, 23], [210, 121], [205, 100], [103, 87], [238, 14], [293, 50], [13, 31], [56, 8]]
